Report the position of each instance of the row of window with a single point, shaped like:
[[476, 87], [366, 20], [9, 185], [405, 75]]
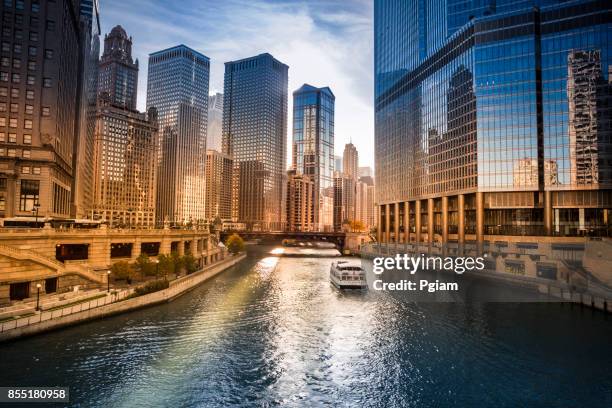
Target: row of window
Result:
[[19, 5], [16, 79], [12, 138], [29, 109], [12, 123], [11, 152], [15, 93], [32, 50]]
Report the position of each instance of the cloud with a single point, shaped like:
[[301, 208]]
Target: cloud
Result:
[[325, 43]]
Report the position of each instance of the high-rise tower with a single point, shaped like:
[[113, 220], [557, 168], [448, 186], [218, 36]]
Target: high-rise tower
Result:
[[313, 148], [254, 135], [178, 88], [118, 72]]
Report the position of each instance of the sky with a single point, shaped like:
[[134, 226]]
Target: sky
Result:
[[325, 43]]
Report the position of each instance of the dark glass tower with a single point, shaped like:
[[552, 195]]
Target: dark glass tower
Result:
[[118, 73], [313, 148], [178, 88], [254, 135], [492, 118]]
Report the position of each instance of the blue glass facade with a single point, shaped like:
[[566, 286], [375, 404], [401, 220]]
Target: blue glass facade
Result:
[[313, 148], [255, 136], [494, 114]]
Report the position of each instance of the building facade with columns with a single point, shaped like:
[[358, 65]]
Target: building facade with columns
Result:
[[492, 121], [61, 258]]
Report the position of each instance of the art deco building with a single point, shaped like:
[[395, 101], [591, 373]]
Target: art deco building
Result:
[[313, 147], [125, 165], [40, 82], [118, 72], [300, 193], [254, 135], [350, 161], [344, 200], [215, 122], [83, 149], [492, 118], [178, 88], [218, 185]]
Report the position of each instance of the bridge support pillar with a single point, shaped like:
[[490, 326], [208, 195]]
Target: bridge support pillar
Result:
[[417, 219]]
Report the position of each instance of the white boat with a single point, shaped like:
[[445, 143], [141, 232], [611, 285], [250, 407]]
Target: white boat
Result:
[[347, 275]]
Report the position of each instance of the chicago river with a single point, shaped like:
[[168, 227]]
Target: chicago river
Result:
[[273, 331]]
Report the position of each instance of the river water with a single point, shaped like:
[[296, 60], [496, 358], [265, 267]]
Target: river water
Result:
[[272, 331]]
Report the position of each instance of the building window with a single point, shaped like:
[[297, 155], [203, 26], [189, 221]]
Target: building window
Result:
[[3, 182], [16, 78], [36, 171], [6, 31], [14, 92], [2, 137], [19, 4], [18, 33], [28, 196], [5, 61], [31, 80], [4, 76], [14, 107], [26, 153], [47, 83], [3, 91], [50, 25], [12, 153], [12, 138], [16, 63], [25, 170], [31, 65], [27, 124], [17, 48], [32, 51], [2, 203], [33, 36], [29, 94], [2, 106], [48, 54], [29, 109], [2, 121], [2, 151], [35, 7], [13, 122], [46, 111], [27, 139]]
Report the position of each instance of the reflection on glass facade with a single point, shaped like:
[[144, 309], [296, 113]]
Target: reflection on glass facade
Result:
[[254, 135], [178, 88], [492, 118], [313, 148]]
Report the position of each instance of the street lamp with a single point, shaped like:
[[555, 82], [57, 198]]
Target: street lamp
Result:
[[35, 212], [156, 268], [38, 286], [108, 281]]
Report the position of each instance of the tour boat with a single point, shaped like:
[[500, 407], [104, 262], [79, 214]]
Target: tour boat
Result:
[[346, 275]]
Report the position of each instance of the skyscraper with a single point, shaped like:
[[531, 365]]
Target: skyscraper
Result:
[[218, 185], [492, 118], [178, 88], [254, 135], [350, 161], [40, 80], [300, 193], [125, 165], [215, 122], [83, 183], [118, 72], [344, 200], [313, 148], [366, 171], [338, 163]]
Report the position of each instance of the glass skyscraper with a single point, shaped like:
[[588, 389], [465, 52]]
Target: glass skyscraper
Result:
[[178, 88], [313, 149], [254, 135], [492, 118]]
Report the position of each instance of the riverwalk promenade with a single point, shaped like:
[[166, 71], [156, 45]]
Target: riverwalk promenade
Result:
[[113, 302]]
